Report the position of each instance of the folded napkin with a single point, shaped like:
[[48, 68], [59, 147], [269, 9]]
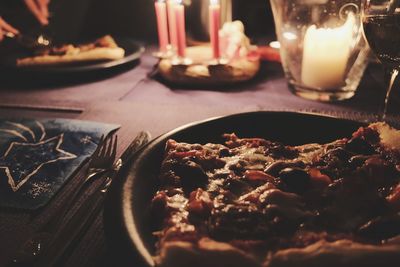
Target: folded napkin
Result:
[[37, 157]]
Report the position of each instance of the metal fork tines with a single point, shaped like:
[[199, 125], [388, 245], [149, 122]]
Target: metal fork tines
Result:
[[102, 160]]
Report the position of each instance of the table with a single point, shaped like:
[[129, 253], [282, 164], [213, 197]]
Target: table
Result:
[[128, 97]]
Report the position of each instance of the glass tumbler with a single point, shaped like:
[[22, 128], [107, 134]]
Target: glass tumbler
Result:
[[322, 48]]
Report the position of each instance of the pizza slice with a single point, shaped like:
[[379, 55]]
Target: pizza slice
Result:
[[104, 48], [254, 202]]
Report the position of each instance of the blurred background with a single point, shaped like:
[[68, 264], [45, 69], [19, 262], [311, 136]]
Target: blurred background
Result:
[[73, 20]]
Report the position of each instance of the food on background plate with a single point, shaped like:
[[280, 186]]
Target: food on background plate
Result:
[[254, 202], [104, 48]]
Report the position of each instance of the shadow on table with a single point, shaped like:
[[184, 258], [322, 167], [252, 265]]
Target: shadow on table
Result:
[[268, 70], [28, 80]]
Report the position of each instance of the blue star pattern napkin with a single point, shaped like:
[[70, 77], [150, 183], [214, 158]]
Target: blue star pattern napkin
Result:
[[38, 156]]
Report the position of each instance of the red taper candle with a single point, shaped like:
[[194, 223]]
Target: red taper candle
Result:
[[180, 28], [172, 23], [215, 14], [162, 24]]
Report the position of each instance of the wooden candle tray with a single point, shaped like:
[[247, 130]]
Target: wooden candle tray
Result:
[[199, 72]]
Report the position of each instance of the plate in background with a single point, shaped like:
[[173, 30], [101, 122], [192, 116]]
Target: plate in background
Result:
[[133, 51]]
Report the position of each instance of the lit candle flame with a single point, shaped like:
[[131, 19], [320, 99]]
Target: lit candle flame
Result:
[[214, 2]]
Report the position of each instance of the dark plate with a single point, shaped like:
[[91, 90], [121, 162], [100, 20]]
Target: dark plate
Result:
[[127, 207], [133, 51]]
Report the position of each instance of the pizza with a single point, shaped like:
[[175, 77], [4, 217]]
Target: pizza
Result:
[[255, 202], [104, 48]]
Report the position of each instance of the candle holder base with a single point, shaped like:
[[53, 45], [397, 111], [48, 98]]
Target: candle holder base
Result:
[[181, 61], [163, 55], [202, 70], [330, 95], [218, 61]]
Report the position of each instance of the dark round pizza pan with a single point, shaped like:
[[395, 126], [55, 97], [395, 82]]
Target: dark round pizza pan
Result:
[[127, 217]]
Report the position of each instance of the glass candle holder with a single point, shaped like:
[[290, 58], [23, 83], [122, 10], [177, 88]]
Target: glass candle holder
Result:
[[322, 48]]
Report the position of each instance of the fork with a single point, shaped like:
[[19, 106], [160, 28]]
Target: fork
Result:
[[65, 240], [102, 160]]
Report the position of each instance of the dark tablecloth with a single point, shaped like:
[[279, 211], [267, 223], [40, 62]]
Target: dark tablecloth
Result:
[[127, 96]]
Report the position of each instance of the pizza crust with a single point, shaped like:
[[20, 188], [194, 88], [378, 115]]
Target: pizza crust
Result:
[[207, 252], [389, 137], [343, 253]]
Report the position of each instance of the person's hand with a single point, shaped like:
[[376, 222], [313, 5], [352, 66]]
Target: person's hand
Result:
[[39, 9], [5, 27]]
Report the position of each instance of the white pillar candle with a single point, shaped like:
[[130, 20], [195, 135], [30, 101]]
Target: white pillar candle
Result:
[[325, 55]]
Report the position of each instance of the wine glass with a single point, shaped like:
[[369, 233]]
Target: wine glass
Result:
[[381, 23]]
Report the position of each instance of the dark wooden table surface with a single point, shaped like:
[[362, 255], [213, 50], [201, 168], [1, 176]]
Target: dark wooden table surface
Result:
[[126, 96]]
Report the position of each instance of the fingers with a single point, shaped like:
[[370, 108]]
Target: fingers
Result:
[[37, 10], [4, 25], [43, 5]]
